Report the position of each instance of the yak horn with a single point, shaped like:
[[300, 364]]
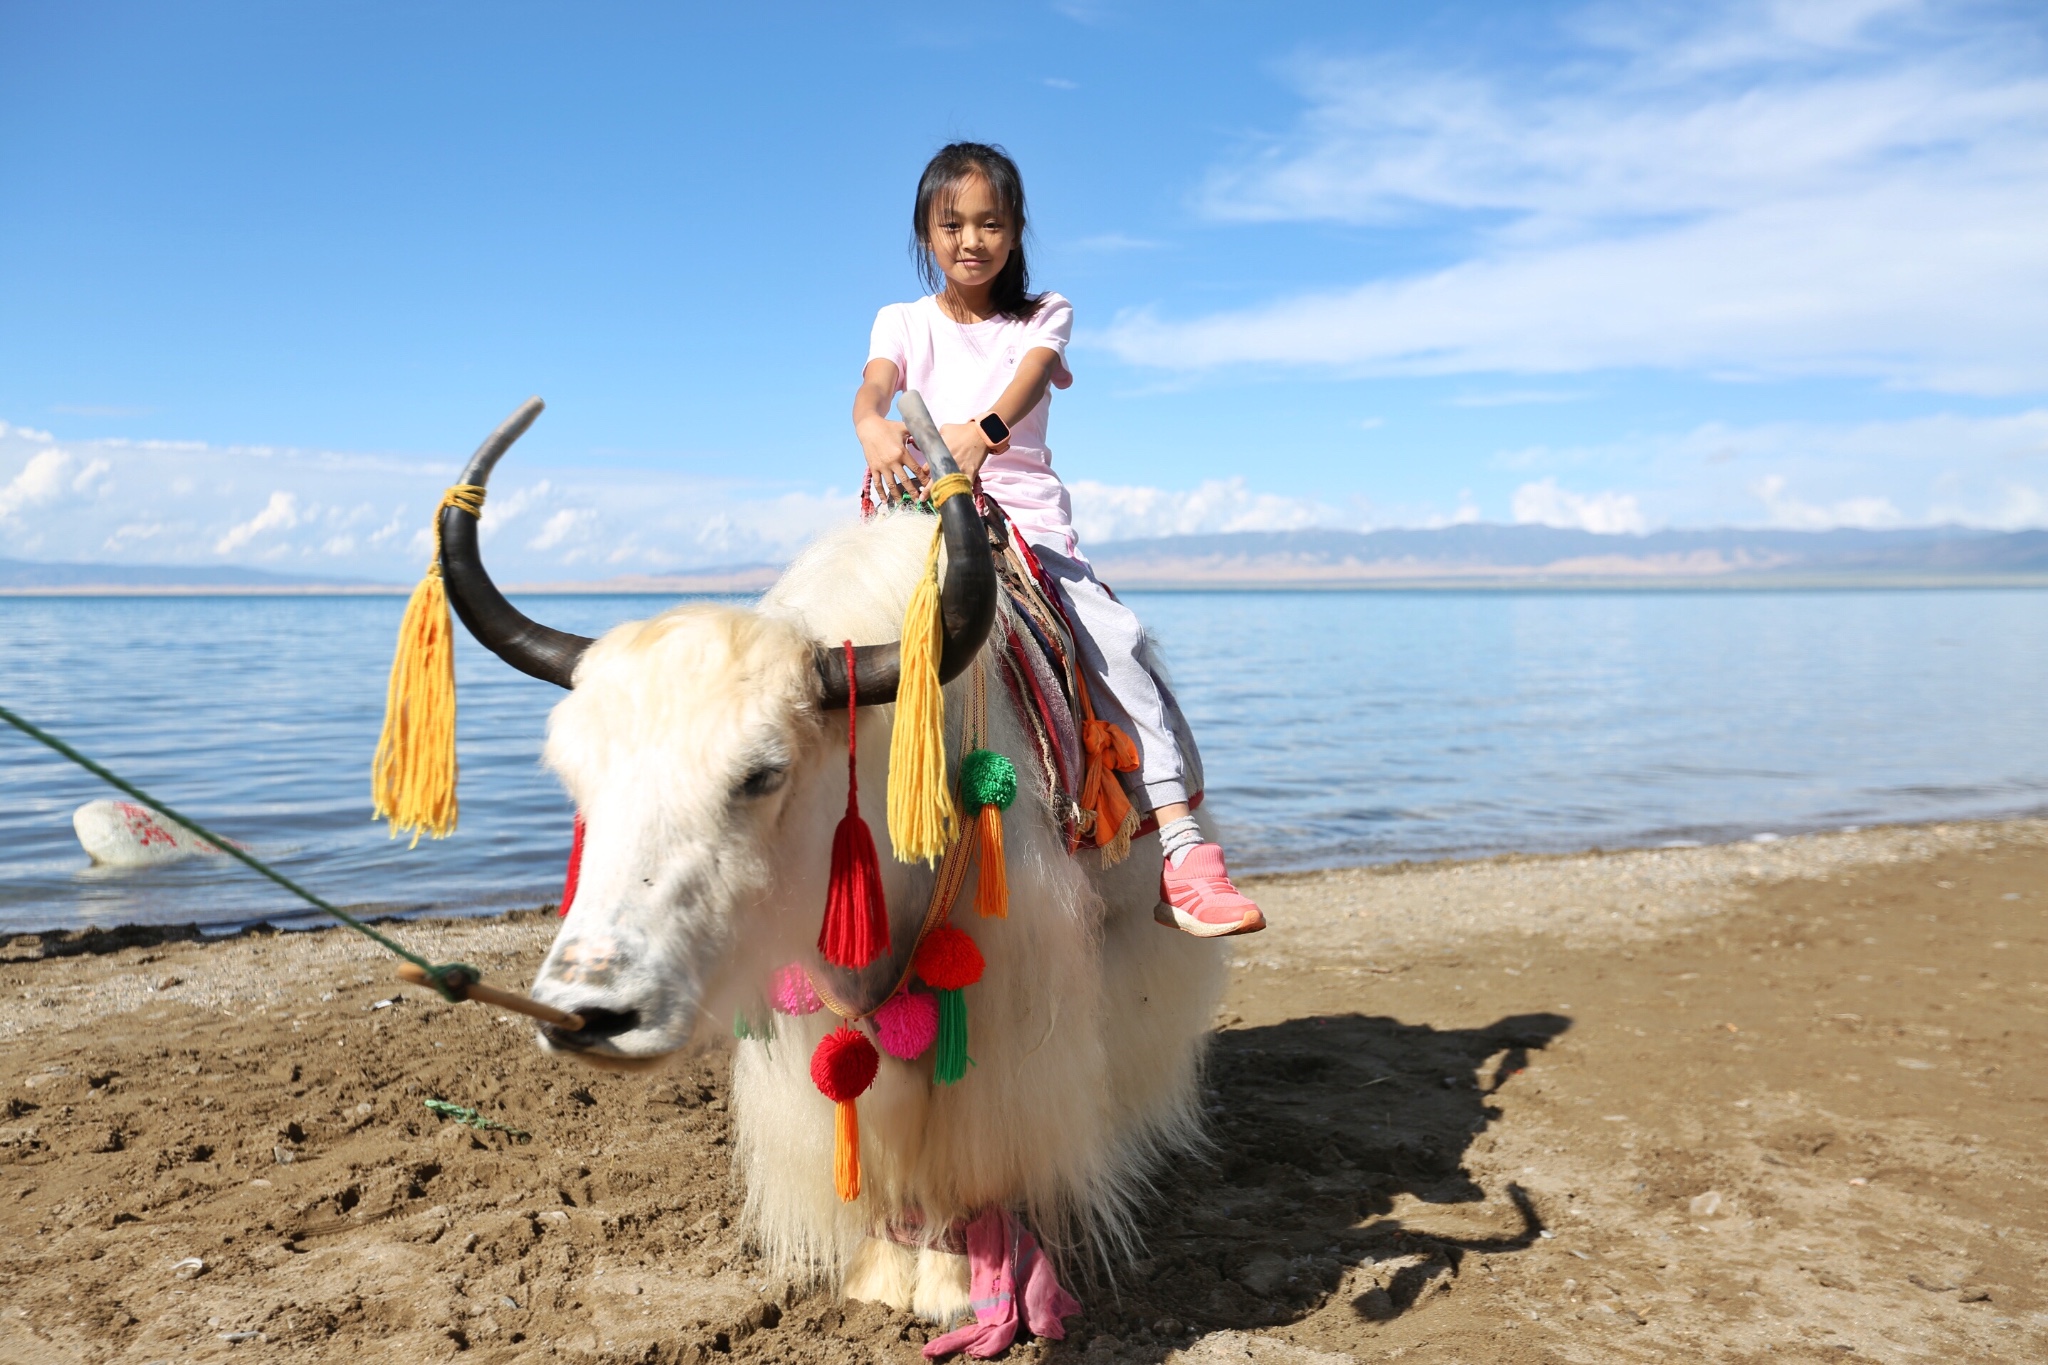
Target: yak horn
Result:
[[532, 648], [967, 597]]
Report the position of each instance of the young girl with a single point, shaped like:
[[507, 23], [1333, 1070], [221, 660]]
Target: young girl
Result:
[[981, 345]]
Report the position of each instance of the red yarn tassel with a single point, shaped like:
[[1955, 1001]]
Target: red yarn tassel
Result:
[[856, 927], [575, 866]]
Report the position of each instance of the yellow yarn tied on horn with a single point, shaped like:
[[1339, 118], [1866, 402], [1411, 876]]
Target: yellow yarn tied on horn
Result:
[[412, 778], [923, 819]]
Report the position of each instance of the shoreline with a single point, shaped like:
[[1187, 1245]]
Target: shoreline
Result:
[[1346, 919], [1355, 881]]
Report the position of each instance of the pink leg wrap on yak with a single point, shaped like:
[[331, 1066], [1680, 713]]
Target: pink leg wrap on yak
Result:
[[1009, 1273]]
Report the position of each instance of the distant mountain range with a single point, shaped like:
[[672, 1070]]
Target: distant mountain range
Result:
[[1483, 553], [31, 577], [1472, 555]]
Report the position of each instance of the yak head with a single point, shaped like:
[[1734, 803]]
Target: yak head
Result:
[[683, 745], [690, 743]]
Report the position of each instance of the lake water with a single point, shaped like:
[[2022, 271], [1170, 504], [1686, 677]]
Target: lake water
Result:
[[1338, 728]]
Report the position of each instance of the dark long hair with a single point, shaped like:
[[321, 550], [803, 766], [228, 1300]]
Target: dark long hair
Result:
[[1011, 291]]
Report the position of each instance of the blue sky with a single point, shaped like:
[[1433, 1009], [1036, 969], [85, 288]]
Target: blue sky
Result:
[[268, 272]]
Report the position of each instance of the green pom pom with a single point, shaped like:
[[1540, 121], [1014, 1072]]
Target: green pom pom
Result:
[[987, 778]]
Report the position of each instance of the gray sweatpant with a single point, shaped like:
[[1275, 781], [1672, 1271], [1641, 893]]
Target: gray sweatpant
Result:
[[1124, 691]]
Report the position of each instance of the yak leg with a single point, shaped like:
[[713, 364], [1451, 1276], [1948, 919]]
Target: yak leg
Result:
[[942, 1294], [883, 1272]]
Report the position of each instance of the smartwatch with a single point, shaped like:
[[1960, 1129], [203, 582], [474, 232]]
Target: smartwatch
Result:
[[995, 428]]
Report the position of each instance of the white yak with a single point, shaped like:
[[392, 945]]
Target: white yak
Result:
[[705, 749]]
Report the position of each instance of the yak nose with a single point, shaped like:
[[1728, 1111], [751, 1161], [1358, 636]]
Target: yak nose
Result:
[[598, 1025]]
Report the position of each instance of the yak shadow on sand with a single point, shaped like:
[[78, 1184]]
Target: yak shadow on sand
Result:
[[1319, 1125]]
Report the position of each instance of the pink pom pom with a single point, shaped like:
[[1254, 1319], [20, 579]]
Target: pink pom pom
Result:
[[791, 992], [907, 1023]]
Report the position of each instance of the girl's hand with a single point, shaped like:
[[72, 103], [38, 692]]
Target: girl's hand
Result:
[[970, 447], [890, 458]]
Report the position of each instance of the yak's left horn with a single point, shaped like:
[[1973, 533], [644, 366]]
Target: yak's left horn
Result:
[[498, 626], [967, 596]]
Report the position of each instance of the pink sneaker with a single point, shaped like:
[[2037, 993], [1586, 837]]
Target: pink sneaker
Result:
[[1197, 897]]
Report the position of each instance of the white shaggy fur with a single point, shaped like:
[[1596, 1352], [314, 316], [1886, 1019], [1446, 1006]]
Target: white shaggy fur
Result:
[[1086, 1031]]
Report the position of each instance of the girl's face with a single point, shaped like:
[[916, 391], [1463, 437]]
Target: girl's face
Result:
[[971, 236]]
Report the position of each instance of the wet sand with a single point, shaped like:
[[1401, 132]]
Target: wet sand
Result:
[[1767, 1101]]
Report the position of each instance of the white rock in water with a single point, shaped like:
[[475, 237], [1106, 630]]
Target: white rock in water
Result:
[[123, 834]]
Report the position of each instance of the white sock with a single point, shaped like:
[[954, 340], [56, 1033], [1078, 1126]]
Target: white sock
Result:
[[1177, 838]]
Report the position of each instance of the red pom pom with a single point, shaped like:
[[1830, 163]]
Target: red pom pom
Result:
[[844, 1064], [948, 960]]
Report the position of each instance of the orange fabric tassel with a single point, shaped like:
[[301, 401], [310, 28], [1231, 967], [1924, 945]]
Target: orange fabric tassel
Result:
[[1110, 752], [846, 1152], [992, 886]]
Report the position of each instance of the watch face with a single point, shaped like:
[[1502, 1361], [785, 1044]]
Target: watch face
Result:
[[994, 428]]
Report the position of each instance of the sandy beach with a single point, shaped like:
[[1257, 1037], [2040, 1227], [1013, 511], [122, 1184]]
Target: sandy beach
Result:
[[1762, 1101]]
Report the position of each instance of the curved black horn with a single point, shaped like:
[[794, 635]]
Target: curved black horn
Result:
[[967, 596], [498, 626]]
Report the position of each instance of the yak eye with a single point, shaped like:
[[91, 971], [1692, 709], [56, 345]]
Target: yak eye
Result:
[[762, 781]]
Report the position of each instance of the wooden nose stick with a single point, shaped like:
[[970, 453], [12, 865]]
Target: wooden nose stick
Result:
[[504, 1000]]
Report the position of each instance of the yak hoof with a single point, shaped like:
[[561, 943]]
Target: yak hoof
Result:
[[932, 1284]]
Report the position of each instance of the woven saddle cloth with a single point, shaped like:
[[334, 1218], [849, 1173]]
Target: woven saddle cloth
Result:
[[1034, 647]]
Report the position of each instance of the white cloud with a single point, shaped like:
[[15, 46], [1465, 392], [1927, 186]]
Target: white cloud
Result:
[[41, 480], [1545, 504], [501, 511], [92, 479], [1112, 512], [1939, 469], [2018, 507], [1791, 189], [1785, 510], [560, 527], [324, 512], [124, 538], [281, 513]]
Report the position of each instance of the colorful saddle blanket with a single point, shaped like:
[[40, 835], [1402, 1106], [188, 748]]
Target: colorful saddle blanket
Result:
[[1034, 642]]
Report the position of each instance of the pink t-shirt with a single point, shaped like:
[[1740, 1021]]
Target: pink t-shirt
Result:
[[961, 369]]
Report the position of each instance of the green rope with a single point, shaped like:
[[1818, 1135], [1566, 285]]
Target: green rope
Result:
[[449, 978], [476, 1120]]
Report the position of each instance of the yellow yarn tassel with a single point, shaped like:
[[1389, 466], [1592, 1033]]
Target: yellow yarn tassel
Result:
[[923, 819], [992, 888], [412, 778]]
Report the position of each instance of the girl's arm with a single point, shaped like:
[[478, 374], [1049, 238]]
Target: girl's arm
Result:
[[886, 444], [968, 442]]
